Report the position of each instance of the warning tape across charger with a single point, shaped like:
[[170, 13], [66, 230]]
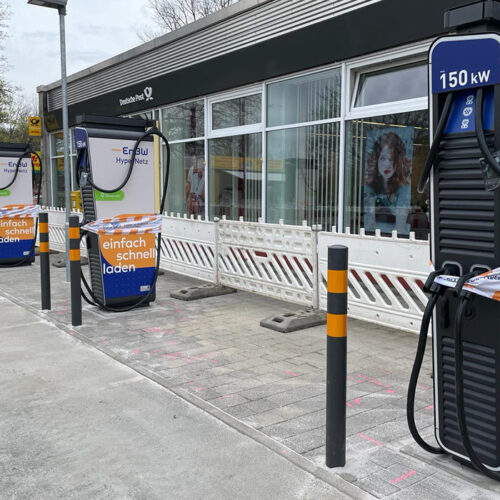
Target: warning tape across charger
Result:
[[19, 211], [126, 224], [486, 284]]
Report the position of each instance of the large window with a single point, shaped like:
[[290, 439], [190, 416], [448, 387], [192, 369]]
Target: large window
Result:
[[235, 156], [389, 85], [303, 161], [237, 112], [302, 170], [341, 147], [304, 99], [184, 126], [184, 121], [385, 156], [236, 176]]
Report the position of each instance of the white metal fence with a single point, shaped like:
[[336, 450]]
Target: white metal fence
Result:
[[285, 262]]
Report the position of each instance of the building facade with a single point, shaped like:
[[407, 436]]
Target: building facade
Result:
[[292, 110]]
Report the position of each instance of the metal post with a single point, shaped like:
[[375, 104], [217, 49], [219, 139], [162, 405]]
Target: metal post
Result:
[[336, 357], [216, 251], [43, 228], [315, 263], [67, 164], [74, 257]]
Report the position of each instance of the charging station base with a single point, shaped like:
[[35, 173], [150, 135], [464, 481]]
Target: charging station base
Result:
[[202, 292], [293, 321]]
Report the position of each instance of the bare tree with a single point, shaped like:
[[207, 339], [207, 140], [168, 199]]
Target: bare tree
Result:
[[5, 89], [14, 125], [170, 15]]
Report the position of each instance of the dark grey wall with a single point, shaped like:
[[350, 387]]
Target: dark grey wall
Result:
[[380, 26]]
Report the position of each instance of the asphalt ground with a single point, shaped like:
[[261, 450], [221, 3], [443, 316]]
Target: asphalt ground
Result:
[[271, 386]]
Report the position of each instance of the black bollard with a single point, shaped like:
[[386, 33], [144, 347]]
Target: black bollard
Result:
[[336, 356], [43, 228], [75, 273]]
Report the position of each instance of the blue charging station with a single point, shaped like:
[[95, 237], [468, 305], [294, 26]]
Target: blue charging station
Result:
[[463, 175]]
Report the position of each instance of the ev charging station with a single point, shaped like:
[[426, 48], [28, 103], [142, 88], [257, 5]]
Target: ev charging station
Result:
[[464, 79], [17, 212], [116, 171]]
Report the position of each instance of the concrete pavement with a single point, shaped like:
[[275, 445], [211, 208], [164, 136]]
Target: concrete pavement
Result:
[[270, 386], [75, 423]]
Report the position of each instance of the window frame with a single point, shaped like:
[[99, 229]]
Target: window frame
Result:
[[228, 96], [180, 103], [391, 60]]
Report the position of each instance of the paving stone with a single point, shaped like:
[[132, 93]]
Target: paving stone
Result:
[[216, 346], [377, 484]]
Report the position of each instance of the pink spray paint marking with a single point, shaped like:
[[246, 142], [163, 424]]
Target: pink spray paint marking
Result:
[[136, 351], [293, 374], [356, 401], [377, 382], [153, 329], [430, 407], [172, 342], [424, 387], [403, 477], [172, 355], [378, 443]]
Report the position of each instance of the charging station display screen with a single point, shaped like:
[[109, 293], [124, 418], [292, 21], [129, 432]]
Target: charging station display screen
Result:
[[21, 191], [128, 264], [110, 160]]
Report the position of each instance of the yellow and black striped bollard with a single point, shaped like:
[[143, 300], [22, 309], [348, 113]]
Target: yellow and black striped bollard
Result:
[[75, 270], [43, 228], [336, 356]]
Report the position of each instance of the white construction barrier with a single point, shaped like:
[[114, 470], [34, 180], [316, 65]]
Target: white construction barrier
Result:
[[386, 274]]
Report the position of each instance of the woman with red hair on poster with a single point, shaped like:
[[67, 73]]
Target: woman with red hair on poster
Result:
[[387, 190]]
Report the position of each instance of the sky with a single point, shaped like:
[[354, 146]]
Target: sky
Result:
[[95, 30]]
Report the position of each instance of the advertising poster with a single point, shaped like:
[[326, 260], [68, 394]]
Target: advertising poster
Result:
[[16, 237], [128, 264], [387, 179]]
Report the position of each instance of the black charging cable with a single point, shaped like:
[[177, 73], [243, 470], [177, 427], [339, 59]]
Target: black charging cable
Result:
[[24, 259], [466, 299], [438, 136], [83, 161], [481, 138], [435, 290]]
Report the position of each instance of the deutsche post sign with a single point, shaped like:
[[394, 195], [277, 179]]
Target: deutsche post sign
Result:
[[34, 126]]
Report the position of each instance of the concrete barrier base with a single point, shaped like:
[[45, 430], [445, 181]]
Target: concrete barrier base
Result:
[[293, 321], [201, 292]]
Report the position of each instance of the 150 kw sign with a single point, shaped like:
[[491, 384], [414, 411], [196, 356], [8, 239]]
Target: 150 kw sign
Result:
[[463, 63]]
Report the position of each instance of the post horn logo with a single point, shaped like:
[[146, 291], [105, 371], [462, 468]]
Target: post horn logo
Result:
[[35, 121], [148, 92]]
